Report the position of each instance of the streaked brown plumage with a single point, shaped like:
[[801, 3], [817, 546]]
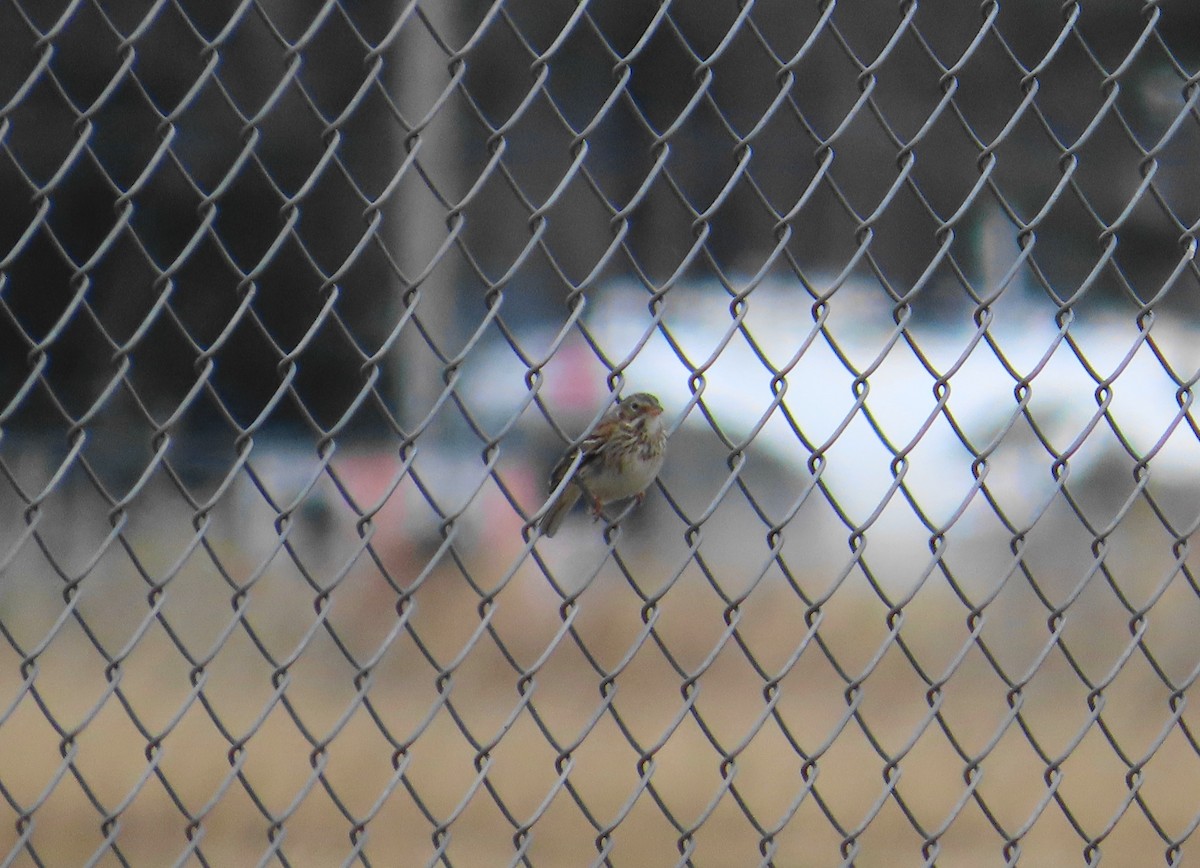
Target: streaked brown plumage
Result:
[[621, 458]]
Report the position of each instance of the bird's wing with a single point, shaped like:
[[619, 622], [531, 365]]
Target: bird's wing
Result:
[[591, 447]]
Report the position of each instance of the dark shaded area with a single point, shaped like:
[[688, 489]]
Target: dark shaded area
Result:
[[188, 202]]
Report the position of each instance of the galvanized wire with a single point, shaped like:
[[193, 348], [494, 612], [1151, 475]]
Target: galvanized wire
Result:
[[364, 214]]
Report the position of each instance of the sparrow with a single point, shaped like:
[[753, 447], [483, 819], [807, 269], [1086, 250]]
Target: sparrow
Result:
[[621, 457]]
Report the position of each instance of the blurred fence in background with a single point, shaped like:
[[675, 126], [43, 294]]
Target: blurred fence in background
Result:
[[301, 300]]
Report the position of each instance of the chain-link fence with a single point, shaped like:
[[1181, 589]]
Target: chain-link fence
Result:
[[301, 301]]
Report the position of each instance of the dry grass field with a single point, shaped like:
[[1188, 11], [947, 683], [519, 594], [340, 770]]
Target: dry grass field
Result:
[[480, 729]]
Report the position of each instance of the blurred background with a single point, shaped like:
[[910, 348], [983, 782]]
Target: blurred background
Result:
[[300, 301]]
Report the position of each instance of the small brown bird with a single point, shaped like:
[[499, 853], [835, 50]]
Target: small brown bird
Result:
[[621, 457]]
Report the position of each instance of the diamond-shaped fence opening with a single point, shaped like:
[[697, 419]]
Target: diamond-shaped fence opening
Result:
[[300, 303]]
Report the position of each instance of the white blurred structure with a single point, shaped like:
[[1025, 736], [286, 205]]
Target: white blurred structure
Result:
[[715, 355]]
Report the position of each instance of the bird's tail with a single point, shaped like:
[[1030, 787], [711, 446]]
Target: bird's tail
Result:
[[548, 524]]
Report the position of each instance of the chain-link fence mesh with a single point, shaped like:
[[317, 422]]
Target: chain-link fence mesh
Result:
[[300, 301]]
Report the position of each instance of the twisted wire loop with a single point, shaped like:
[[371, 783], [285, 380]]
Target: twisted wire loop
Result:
[[300, 301]]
